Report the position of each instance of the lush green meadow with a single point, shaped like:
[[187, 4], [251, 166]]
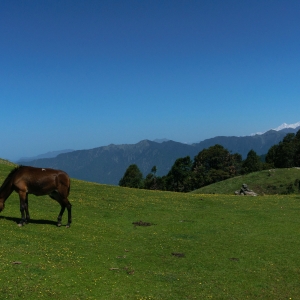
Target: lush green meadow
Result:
[[226, 247]]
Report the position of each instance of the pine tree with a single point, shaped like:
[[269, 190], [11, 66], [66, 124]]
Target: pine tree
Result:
[[132, 178]]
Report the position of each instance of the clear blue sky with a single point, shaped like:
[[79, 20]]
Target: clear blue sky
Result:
[[83, 74]]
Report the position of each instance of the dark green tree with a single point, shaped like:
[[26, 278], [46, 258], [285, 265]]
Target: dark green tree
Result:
[[151, 182], [271, 156], [132, 178], [214, 164], [287, 153], [252, 163], [297, 150], [153, 170], [179, 177]]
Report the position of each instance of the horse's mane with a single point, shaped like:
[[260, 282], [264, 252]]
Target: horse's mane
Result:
[[8, 178]]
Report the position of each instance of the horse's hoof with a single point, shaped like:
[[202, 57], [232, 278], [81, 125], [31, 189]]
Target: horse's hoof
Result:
[[20, 224], [59, 224], [68, 226]]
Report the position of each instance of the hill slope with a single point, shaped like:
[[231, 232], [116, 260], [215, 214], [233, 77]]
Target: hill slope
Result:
[[267, 182]]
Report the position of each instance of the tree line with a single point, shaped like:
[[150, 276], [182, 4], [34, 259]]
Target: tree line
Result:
[[214, 164]]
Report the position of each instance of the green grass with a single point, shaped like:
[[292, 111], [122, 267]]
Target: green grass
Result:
[[234, 247], [268, 182]]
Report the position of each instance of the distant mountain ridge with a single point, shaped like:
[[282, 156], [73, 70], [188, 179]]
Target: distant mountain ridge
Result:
[[108, 164], [44, 155]]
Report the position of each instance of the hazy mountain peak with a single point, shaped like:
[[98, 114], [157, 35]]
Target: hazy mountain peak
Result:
[[160, 140]]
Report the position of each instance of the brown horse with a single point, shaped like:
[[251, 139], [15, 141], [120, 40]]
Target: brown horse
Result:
[[37, 181]]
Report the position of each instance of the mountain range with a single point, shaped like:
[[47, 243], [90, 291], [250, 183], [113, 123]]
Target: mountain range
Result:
[[107, 164]]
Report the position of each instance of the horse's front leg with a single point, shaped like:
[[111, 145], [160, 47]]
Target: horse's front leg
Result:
[[27, 209], [23, 208], [69, 208]]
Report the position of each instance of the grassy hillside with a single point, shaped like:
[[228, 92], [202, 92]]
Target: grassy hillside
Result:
[[224, 247], [6, 162], [268, 182]]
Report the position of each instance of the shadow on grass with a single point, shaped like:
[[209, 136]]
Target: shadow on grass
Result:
[[32, 221]]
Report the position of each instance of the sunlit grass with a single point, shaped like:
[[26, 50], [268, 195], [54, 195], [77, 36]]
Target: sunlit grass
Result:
[[233, 247]]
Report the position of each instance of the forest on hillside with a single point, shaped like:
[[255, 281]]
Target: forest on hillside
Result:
[[214, 164]]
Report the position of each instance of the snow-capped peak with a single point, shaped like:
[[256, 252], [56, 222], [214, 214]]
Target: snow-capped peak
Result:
[[284, 125]]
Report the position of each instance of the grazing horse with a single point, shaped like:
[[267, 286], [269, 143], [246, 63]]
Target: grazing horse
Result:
[[37, 181]]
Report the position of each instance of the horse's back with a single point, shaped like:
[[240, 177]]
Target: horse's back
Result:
[[33, 170], [40, 181]]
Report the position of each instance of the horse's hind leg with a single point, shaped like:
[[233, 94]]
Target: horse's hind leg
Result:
[[59, 218], [24, 208], [65, 204], [69, 208], [61, 197], [56, 196]]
